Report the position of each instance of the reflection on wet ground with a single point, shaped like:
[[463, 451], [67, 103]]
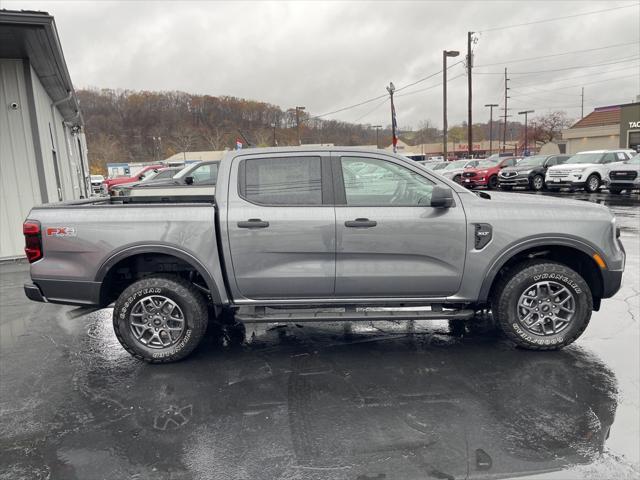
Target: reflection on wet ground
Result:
[[381, 401]]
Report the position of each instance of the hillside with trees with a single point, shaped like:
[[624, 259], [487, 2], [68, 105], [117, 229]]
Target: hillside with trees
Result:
[[140, 126]]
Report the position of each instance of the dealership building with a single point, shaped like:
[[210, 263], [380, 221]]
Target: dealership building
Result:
[[43, 153], [614, 126]]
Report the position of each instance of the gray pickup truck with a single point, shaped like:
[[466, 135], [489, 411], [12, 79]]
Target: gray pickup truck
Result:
[[326, 234]]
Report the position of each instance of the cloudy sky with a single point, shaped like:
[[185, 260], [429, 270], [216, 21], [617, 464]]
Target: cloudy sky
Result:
[[327, 55]]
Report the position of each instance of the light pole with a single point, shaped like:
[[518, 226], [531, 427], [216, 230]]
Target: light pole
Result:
[[377, 127], [491, 105], [298, 110], [525, 113], [275, 143], [445, 127]]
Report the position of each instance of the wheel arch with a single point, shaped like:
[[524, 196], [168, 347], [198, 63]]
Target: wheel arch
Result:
[[128, 254], [567, 251]]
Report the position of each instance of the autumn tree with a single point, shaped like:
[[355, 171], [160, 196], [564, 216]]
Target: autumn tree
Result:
[[547, 128]]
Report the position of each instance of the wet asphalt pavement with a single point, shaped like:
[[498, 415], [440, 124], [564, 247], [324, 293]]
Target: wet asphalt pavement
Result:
[[376, 402]]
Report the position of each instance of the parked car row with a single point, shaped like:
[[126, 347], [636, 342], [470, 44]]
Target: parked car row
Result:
[[591, 170]]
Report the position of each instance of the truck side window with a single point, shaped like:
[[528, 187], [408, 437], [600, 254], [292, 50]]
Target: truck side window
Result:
[[369, 181], [282, 181]]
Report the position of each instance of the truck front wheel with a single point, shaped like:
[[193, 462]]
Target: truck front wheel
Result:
[[542, 305], [160, 319]]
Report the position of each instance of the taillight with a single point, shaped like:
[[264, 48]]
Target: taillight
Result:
[[32, 240]]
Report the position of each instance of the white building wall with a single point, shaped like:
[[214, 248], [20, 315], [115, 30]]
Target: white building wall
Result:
[[19, 187], [19, 180]]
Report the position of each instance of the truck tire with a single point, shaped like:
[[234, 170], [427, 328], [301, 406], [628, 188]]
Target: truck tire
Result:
[[492, 183], [542, 305], [592, 184], [160, 319]]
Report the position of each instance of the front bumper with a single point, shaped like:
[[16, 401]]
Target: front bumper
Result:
[[556, 182], [632, 184], [514, 181], [475, 181], [611, 281]]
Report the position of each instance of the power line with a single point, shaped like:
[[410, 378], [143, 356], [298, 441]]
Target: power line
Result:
[[573, 77], [556, 54], [626, 59], [430, 87], [372, 110], [428, 77], [359, 104], [553, 19], [517, 89]]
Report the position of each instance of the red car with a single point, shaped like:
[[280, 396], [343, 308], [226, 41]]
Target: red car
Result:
[[109, 183], [485, 174]]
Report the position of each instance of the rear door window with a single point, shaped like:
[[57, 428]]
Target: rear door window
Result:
[[282, 181]]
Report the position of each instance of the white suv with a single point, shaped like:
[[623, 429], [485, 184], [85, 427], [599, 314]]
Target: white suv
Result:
[[585, 170]]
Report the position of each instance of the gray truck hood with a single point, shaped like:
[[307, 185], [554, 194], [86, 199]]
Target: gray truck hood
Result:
[[540, 201]]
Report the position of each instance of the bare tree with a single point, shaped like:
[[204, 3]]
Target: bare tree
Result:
[[548, 127], [214, 138], [183, 140]]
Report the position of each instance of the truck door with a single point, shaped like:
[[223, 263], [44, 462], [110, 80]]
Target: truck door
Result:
[[281, 224], [390, 241]]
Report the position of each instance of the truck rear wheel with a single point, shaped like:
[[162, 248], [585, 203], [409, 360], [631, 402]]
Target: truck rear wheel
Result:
[[542, 305], [160, 319]]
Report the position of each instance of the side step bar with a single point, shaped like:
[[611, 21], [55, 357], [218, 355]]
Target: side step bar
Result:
[[352, 316]]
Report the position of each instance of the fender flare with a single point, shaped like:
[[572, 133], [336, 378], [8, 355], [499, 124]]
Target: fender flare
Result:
[[183, 255], [514, 250]]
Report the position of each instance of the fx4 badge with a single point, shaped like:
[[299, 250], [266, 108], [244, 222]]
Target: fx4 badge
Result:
[[61, 232]]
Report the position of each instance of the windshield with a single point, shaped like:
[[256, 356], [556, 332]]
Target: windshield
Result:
[[487, 163], [440, 166], [456, 164], [185, 170], [586, 158], [532, 161]]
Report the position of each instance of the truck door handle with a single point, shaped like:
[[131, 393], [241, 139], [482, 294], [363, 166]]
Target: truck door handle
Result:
[[253, 223], [360, 223]]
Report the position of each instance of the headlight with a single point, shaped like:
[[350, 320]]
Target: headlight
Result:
[[577, 171]]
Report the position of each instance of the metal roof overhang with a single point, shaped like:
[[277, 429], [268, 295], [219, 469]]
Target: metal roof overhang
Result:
[[33, 36]]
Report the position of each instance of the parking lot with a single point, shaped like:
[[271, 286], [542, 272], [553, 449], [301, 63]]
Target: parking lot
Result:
[[362, 401]]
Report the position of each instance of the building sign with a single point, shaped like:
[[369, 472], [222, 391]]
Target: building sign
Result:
[[634, 124], [464, 147]]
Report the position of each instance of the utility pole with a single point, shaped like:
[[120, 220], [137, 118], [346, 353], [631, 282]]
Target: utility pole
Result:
[[275, 143], [582, 104], [470, 119], [506, 97], [377, 127], [298, 110], [525, 113], [394, 125], [491, 105], [445, 127]]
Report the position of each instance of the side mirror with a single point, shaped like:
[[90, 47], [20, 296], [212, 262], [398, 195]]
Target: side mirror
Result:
[[188, 180], [140, 177], [441, 197]]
